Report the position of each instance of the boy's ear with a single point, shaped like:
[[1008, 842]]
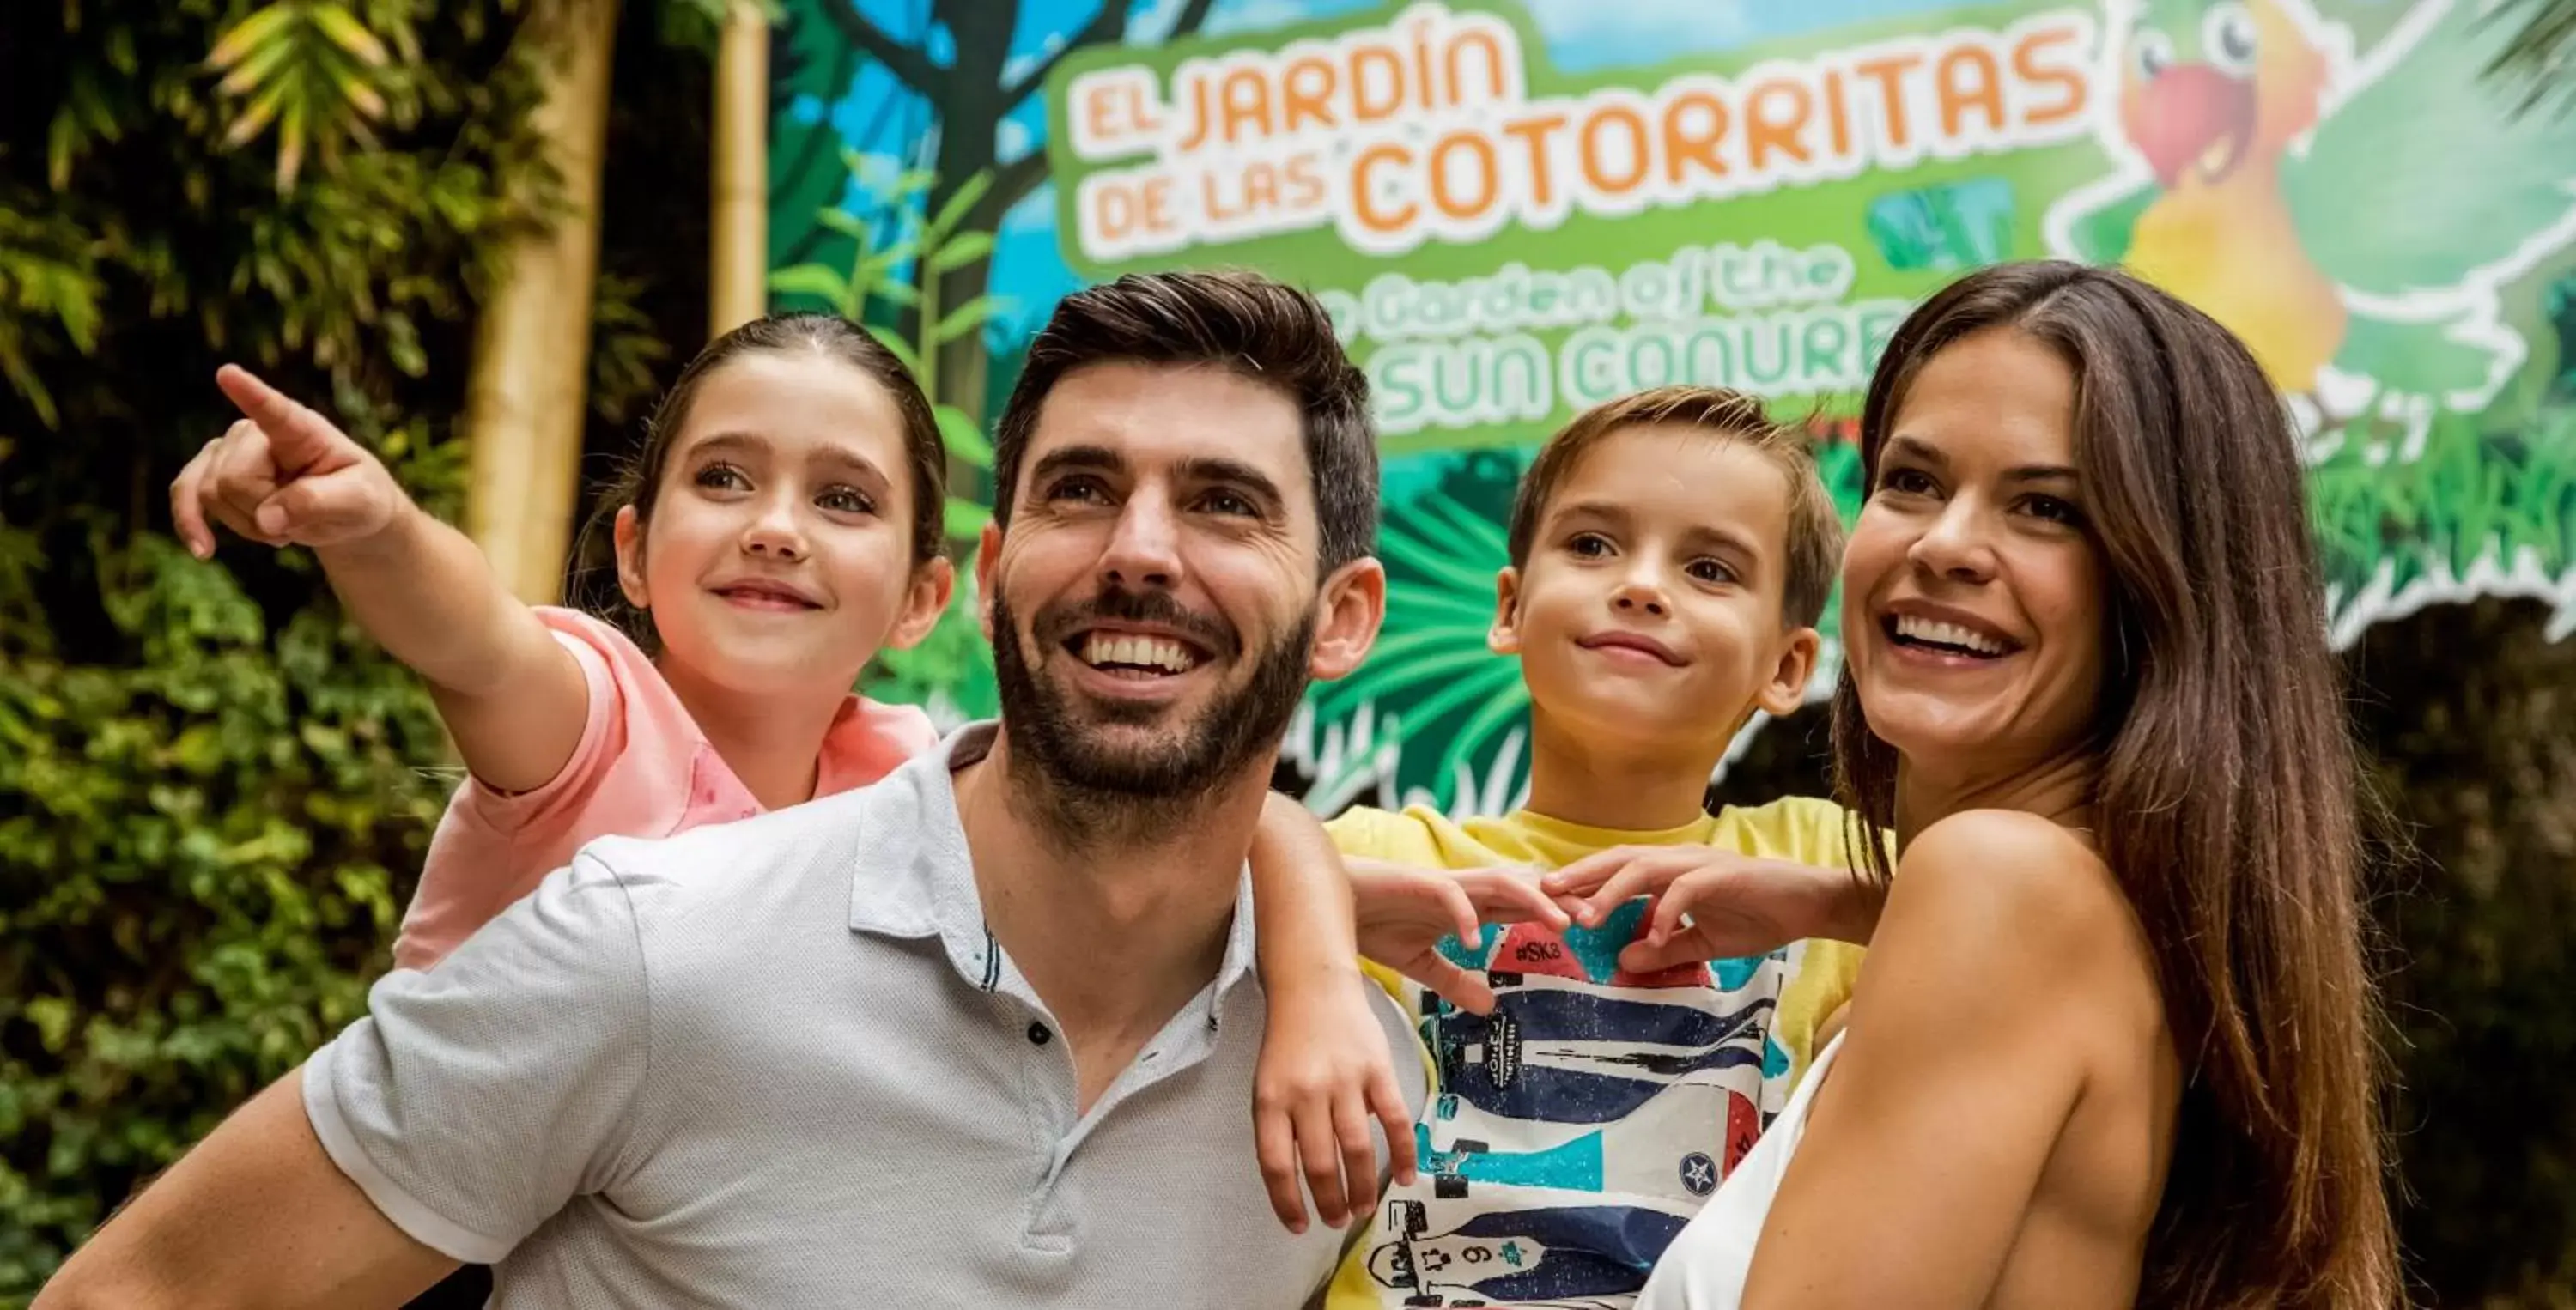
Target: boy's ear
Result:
[[1786, 689], [1504, 638]]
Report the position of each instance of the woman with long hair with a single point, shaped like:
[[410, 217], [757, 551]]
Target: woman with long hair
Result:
[[2113, 1043]]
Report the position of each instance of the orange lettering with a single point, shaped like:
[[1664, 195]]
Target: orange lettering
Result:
[[1488, 174], [2029, 69], [1592, 154], [1497, 83], [1984, 91], [1684, 146], [1767, 132], [1100, 111], [1158, 203], [1889, 72], [1363, 108], [1837, 113], [1305, 184], [1533, 133], [1364, 203], [1301, 98], [1246, 100]]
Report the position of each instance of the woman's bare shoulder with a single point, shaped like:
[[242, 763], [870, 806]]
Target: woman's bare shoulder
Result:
[[2029, 895]]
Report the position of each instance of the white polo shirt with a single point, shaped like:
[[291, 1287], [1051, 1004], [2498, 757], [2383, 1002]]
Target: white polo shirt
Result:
[[783, 1063]]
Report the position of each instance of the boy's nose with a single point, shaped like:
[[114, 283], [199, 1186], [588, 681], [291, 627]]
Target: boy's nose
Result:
[[1638, 596]]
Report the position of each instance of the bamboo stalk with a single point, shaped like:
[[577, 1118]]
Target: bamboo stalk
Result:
[[736, 291], [531, 360]]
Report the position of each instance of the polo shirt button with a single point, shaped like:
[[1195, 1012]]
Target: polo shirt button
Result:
[[1038, 1034]]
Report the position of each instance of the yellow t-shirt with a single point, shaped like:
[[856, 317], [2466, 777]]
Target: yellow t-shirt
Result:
[[1573, 1132]]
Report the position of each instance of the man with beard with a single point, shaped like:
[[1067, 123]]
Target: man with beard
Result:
[[982, 1034]]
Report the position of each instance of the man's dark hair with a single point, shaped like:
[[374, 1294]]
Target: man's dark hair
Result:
[[1261, 329]]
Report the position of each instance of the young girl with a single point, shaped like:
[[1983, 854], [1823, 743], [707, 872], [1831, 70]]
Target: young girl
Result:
[[781, 526]]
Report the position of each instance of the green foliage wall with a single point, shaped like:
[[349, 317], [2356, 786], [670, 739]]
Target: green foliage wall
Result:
[[214, 793]]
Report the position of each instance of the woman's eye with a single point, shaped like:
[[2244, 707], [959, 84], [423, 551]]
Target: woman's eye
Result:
[[2054, 510], [846, 500], [1906, 482], [722, 477]]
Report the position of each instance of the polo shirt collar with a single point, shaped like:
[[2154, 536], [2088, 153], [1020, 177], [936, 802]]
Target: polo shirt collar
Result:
[[913, 878]]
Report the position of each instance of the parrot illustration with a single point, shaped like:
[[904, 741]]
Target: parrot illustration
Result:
[[2352, 216]]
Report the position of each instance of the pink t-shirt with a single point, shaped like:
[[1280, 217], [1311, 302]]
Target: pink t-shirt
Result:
[[642, 769]]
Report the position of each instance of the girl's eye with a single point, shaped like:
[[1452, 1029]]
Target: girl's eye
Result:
[[1709, 570], [846, 500], [1906, 482], [1588, 545], [2054, 510], [722, 477]]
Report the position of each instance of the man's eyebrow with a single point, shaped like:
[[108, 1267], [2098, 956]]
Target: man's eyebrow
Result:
[[1235, 473], [1068, 458]]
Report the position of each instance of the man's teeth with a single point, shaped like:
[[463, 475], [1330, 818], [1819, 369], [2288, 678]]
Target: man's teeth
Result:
[[1946, 634], [1143, 652]]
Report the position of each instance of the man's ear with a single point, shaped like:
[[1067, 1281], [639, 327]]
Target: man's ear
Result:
[[988, 548], [1348, 612], [1504, 638], [1786, 689]]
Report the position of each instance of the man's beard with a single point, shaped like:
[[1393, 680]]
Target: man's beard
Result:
[[1090, 791]]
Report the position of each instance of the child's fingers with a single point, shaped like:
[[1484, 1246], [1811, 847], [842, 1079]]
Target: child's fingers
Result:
[[1319, 1145], [1580, 877], [1274, 1143], [1643, 956], [1462, 911], [1505, 898], [187, 507], [298, 435], [318, 510], [1645, 874], [1359, 1153], [1460, 987], [1386, 1100]]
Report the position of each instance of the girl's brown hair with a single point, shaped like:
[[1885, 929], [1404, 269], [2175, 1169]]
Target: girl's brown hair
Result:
[[830, 336], [2228, 802]]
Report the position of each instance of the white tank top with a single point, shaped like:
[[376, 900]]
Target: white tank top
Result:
[[1705, 1267]]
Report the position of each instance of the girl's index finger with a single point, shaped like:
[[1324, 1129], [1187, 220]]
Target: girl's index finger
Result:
[[296, 435]]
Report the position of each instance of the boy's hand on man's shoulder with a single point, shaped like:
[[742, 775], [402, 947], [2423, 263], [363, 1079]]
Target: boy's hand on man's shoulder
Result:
[[1404, 912], [1711, 904]]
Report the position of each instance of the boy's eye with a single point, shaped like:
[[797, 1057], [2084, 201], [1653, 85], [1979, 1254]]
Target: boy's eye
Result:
[[846, 500], [1588, 545], [1709, 570], [722, 477]]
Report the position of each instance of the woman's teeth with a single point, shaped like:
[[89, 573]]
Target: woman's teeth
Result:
[[1932, 632]]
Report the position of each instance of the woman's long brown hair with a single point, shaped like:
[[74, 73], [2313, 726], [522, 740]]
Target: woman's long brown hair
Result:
[[2228, 801]]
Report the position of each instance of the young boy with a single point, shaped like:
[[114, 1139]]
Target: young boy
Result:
[[1670, 553]]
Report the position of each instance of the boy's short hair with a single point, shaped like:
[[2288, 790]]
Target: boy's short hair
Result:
[[1815, 545]]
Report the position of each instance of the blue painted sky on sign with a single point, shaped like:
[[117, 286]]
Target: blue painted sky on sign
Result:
[[883, 119]]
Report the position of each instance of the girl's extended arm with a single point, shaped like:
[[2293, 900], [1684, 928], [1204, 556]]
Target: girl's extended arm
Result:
[[512, 696]]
